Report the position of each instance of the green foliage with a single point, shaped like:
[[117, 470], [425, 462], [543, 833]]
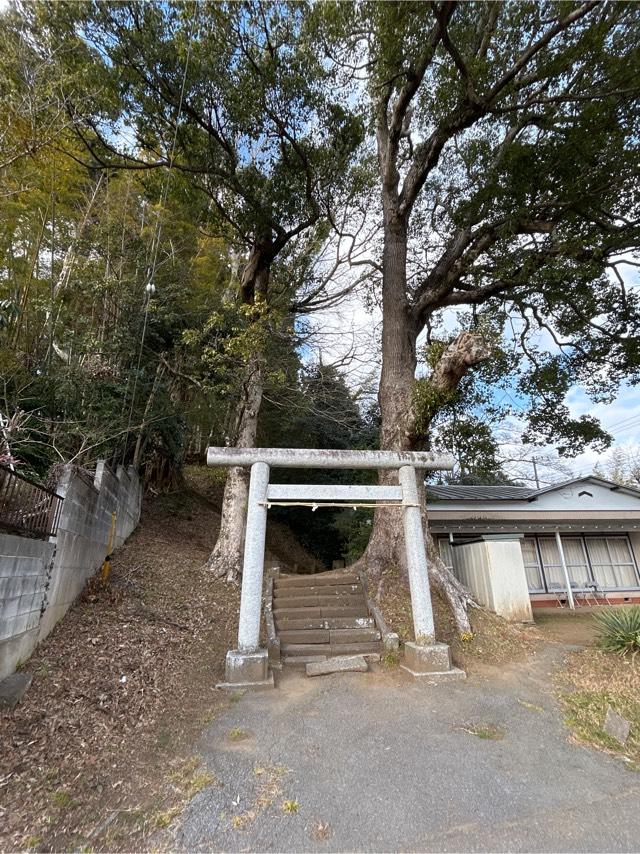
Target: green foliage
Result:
[[90, 366], [353, 528], [243, 91], [258, 111], [427, 402], [619, 630], [516, 177], [464, 422], [472, 442], [237, 99]]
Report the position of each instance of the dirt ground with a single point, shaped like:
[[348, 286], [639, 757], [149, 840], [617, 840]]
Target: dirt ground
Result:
[[97, 754], [562, 625]]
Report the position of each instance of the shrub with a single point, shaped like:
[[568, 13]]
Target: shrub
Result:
[[619, 630]]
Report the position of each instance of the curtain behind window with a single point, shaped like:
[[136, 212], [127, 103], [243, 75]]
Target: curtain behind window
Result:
[[611, 561], [531, 563]]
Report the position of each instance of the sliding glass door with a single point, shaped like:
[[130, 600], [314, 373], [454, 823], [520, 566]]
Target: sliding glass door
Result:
[[611, 561], [605, 561], [575, 557]]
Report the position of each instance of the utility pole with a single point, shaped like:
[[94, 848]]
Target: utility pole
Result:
[[535, 472]]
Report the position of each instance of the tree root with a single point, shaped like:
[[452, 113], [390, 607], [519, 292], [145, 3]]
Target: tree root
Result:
[[378, 556], [222, 566], [454, 594]]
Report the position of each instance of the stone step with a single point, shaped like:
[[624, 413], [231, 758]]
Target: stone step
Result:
[[305, 648], [315, 580], [341, 664], [329, 649], [321, 601], [364, 647], [345, 610], [320, 590], [304, 636], [342, 636], [320, 612], [286, 623], [324, 636], [321, 616], [297, 660], [302, 660]]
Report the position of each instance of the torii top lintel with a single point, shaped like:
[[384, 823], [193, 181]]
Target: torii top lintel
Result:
[[328, 459]]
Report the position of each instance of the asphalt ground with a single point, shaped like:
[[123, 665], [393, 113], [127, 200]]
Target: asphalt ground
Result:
[[378, 762]]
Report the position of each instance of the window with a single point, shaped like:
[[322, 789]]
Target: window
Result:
[[611, 561], [575, 558], [532, 564], [606, 560], [446, 552]]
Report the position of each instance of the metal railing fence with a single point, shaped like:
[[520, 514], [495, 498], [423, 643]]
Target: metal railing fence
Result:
[[26, 507]]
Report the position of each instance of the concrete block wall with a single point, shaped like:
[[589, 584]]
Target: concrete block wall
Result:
[[40, 579], [25, 566]]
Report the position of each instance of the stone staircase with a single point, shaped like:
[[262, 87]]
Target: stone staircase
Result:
[[321, 616]]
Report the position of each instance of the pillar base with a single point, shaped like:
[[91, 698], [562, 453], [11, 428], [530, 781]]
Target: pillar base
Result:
[[431, 662], [247, 670]]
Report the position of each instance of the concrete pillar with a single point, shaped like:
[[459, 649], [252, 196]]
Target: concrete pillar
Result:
[[416, 558], [251, 596], [567, 580]]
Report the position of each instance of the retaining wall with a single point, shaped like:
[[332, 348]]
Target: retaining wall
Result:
[[39, 579]]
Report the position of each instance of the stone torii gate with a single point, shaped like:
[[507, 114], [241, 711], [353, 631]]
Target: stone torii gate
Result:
[[247, 666]]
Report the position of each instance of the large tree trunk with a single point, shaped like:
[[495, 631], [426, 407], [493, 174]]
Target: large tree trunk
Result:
[[386, 544], [226, 558], [400, 329]]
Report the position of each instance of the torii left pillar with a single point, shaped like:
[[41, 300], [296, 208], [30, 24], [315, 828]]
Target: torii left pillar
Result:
[[248, 665]]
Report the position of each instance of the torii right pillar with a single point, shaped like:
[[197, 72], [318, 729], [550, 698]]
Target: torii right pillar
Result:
[[424, 658]]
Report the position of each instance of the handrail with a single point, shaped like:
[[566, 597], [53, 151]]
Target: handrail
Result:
[[27, 507]]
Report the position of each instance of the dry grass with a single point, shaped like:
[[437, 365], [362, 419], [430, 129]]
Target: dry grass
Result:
[[495, 641], [591, 681], [270, 787], [320, 830], [90, 760]]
